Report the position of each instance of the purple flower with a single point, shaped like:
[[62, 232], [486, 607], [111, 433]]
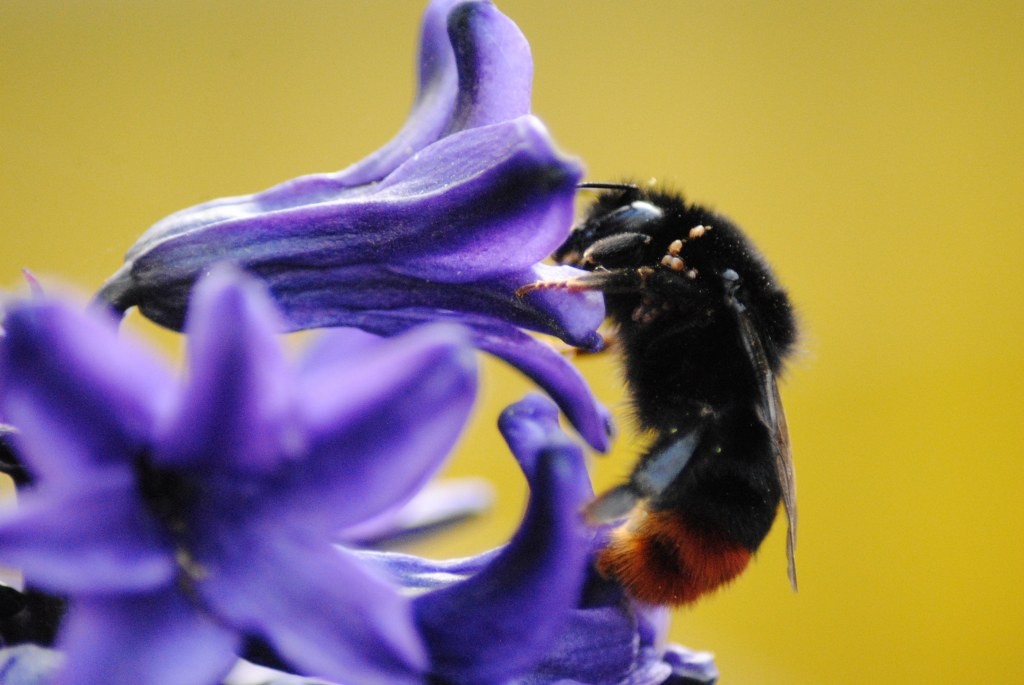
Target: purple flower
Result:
[[537, 609], [181, 518], [445, 222]]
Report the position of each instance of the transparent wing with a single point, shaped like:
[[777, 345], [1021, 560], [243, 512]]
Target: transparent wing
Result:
[[649, 480], [775, 418]]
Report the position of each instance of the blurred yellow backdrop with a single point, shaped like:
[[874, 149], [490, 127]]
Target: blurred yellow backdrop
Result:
[[874, 150]]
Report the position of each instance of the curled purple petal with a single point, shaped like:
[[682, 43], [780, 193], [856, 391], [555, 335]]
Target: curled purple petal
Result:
[[236, 402], [79, 395], [530, 428], [437, 90], [490, 82], [144, 639], [572, 316], [555, 375], [514, 607], [608, 639], [494, 64]]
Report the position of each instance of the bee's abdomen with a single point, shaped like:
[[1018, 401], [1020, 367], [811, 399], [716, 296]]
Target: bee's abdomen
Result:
[[662, 560]]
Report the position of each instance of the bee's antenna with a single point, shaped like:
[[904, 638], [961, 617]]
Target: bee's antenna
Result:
[[608, 186]]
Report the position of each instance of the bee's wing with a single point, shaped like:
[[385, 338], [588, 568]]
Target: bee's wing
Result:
[[650, 479], [775, 418], [786, 475]]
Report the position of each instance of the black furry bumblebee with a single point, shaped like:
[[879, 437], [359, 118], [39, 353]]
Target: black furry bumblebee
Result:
[[704, 328]]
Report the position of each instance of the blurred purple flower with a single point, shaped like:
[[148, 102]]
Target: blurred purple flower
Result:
[[445, 222], [492, 618], [530, 613], [181, 518]]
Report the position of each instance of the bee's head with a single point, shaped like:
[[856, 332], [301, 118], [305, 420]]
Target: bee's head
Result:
[[623, 211]]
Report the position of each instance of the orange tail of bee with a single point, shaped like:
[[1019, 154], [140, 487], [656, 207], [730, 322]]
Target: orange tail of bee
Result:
[[661, 560]]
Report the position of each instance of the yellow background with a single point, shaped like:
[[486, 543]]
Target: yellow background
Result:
[[874, 152]]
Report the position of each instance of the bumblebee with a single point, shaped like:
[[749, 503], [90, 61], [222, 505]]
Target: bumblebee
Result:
[[705, 329]]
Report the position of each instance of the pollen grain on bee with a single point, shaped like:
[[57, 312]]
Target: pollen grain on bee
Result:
[[698, 231]]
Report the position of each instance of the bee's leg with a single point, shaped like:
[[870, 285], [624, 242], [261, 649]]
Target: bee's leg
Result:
[[612, 281], [621, 248], [654, 474]]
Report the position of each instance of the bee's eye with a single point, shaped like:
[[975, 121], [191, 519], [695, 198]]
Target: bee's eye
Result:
[[646, 209], [630, 217]]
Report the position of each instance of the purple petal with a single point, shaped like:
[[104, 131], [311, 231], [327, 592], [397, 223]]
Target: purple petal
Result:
[[28, 664], [335, 345], [608, 639], [572, 316], [494, 63], [478, 204], [490, 82], [379, 426], [530, 428], [416, 574], [234, 409], [508, 202], [438, 504], [603, 641], [94, 537], [649, 670], [552, 372], [319, 608], [78, 394], [690, 666], [474, 70], [598, 647], [538, 360], [431, 112], [500, 622], [350, 293], [144, 639], [652, 622]]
